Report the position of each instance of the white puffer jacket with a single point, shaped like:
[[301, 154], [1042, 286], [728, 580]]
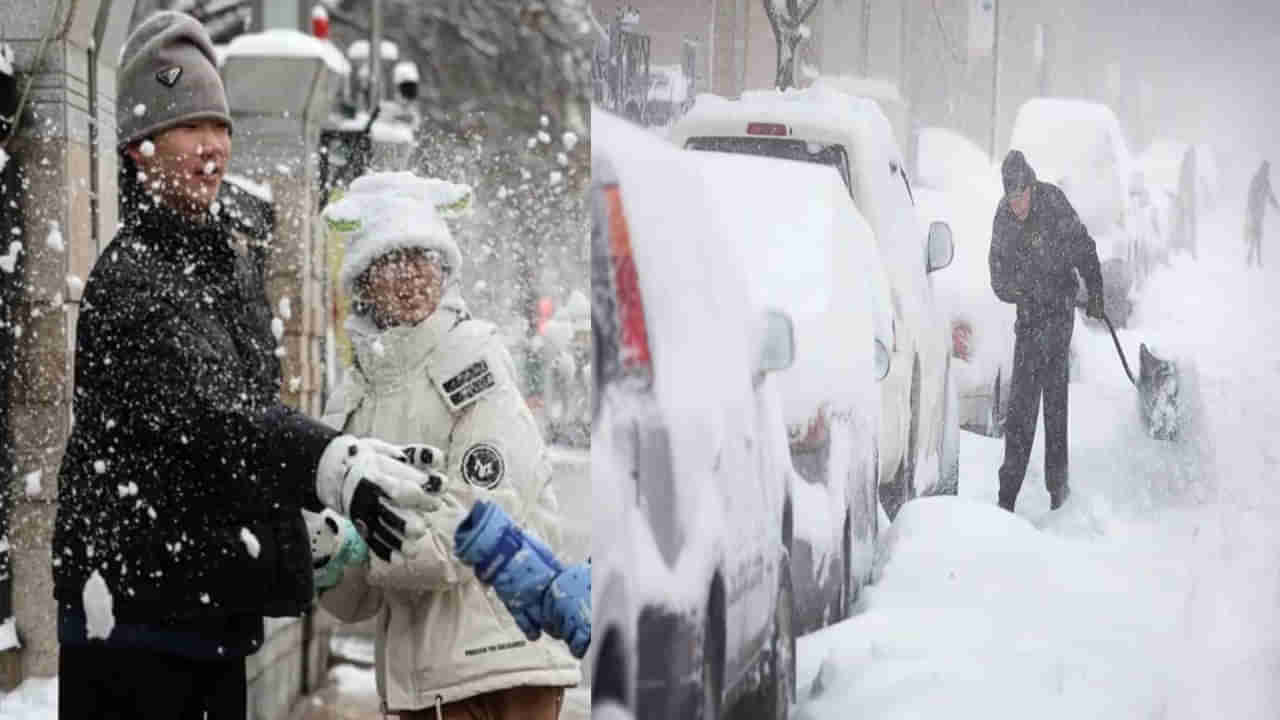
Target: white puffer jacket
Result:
[[442, 635]]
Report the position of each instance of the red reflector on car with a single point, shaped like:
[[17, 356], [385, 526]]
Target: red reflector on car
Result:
[[759, 128]]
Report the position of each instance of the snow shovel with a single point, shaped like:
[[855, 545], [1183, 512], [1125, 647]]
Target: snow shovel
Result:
[[1157, 386]]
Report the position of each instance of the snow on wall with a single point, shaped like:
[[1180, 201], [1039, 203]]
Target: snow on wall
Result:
[[282, 42]]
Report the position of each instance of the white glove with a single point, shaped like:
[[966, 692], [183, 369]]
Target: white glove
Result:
[[374, 483]]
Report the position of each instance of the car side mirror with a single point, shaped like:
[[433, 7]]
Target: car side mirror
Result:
[[778, 345], [941, 249], [883, 360]]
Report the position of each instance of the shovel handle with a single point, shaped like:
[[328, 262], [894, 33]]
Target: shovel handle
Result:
[[1119, 350]]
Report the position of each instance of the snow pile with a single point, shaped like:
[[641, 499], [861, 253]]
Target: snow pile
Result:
[[98, 603], [35, 699], [282, 42], [984, 616]]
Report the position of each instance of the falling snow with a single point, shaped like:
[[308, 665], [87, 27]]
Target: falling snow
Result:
[[54, 240], [147, 148], [139, 110], [10, 260], [250, 543], [99, 616], [32, 483]]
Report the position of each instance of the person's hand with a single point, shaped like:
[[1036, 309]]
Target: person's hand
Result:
[[335, 546], [374, 483], [1094, 308], [566, 608], [518, 566]]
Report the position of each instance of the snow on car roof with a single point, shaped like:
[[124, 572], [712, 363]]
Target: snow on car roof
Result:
[[805, 247], [1060, 134], [817, 113], [288, 43]]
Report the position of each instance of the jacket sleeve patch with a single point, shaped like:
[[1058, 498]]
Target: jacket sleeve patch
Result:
[[466, 386], [483, 466]]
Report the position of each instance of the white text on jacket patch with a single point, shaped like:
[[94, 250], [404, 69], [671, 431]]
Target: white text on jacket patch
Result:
[[482, 466], [468, 385]]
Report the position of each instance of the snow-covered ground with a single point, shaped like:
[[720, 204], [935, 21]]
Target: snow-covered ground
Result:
[[1154, 593]]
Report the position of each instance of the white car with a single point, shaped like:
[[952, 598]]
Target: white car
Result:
[[689, 471], [801, 240], [1079, 146], [957, 182], [919, 444]]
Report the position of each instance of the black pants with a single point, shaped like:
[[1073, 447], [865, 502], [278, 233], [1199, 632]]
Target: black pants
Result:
[[106, 683], [1040, 366]]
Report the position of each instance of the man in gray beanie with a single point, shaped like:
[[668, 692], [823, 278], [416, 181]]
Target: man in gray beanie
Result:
[[179, 523], [1037, 245]]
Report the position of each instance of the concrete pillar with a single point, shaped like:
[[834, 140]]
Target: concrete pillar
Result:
[[70, 212]]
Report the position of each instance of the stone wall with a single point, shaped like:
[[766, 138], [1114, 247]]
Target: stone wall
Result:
[[69, 208]]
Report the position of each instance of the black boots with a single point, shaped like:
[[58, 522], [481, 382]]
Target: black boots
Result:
[[1056, 499]]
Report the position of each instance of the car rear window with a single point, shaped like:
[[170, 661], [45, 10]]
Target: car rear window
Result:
[[831, 155]]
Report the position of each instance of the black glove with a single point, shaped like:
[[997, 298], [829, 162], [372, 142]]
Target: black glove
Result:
[[1094, 308]]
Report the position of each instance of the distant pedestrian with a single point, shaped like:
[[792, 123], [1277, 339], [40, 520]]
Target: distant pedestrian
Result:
[[1186, 204], [1260, 193], [1037, 245]]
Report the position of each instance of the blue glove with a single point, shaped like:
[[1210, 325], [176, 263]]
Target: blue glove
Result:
[[566, 608], [335, 546], [517, 566]]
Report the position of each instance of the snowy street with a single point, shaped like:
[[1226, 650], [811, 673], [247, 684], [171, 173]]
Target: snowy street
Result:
[[1154, 593]]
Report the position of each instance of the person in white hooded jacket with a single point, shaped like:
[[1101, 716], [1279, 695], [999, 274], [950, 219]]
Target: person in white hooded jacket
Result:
[[426, 372]]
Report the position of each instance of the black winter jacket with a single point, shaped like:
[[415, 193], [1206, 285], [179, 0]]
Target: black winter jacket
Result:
[[184, 474], [1032, 261]]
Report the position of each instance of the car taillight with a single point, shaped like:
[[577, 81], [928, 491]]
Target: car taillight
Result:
[[961, 339], [634, 336], [811, 436], [773, 129]]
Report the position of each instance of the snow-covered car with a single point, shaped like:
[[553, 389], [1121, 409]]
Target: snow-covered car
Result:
[[801, 240], [957, 182], [1079, 146], [689, 468], [919, 450]]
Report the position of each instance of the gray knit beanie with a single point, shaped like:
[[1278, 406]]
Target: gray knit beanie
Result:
[[168, 75]]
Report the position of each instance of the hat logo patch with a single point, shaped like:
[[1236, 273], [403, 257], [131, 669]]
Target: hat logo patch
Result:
[[169, 76]]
